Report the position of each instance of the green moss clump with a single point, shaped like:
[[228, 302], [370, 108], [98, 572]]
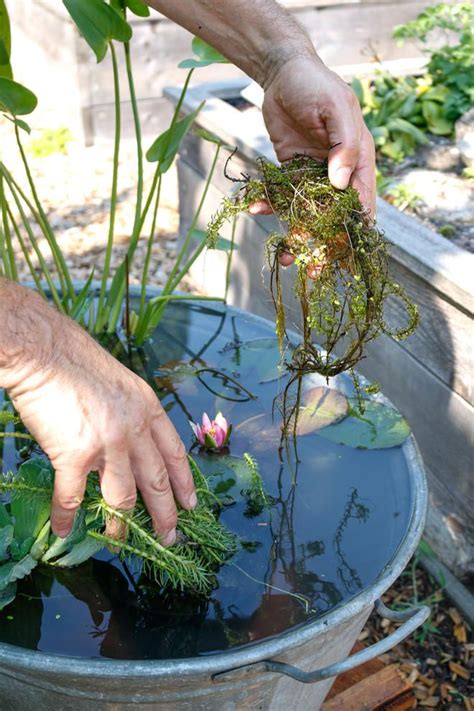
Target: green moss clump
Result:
[[341, 280]]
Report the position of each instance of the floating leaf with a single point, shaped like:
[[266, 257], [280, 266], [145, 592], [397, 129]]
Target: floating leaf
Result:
[[60, 546], [16, 98], [321, 406], [260, 357], [5, 518], [7, 595], [206, 55], [6, 537], [164, 149], [98, 23], [80, 553], [226, 474], [15, 570], [260, 433], [32, 511], [379, 427]]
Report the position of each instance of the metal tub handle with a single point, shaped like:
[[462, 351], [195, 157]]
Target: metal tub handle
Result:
[[412, 618]]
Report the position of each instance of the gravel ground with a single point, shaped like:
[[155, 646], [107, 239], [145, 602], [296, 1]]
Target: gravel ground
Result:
[[75, 191]]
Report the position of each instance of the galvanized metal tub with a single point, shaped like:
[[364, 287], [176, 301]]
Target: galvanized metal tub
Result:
[[293, 670]]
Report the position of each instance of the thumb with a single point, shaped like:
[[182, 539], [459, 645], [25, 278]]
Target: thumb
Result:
[[344, 137]]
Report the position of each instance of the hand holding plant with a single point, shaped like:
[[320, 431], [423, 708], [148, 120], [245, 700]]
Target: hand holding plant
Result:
[[54, 373]]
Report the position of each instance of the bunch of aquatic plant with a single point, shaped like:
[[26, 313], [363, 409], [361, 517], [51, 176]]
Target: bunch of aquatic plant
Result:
[[26, 540], [24, 222], [341, 280]]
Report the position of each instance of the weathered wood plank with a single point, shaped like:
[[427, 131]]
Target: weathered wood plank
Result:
[[385, 689]]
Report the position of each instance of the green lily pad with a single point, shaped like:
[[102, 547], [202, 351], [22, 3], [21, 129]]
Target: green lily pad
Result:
[[321, 406], [379, 427], [15, 570], [260, 356], [226, 474]]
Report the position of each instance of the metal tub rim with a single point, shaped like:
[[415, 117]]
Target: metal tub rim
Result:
[[34, 661]]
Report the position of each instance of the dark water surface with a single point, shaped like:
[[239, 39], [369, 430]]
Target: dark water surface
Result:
[[323, 541]]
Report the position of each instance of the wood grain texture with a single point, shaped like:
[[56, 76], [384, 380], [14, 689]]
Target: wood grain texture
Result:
[[386, 689]]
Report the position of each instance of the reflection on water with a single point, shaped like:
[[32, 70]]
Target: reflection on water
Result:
[[337, 517]]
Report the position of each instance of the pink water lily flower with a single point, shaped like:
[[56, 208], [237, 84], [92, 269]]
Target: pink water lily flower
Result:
[[213, 434]]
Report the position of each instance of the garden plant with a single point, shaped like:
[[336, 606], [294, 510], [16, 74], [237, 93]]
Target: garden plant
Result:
[[332, 239]]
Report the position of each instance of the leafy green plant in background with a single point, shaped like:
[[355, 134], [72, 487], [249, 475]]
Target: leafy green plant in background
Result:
[[400, 111], [51, 140], [106, 30]]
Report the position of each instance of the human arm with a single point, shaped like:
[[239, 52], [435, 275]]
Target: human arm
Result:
[[88, 412], [307, 108]]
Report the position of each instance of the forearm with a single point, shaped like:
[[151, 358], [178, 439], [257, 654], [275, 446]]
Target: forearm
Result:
[[27, 335], [257, 36]]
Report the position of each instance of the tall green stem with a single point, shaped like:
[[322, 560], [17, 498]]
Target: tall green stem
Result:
[[174, 280], [101, 316], [149, 250], [138, 134], [61, 266]]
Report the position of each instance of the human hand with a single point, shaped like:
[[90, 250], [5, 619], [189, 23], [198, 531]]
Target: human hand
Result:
[[90, 413], [309, 109]]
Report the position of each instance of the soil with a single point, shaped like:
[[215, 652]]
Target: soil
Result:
[[446, 197], [438, 659]]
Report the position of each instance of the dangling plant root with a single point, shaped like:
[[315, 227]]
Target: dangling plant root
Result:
[[342, 281]]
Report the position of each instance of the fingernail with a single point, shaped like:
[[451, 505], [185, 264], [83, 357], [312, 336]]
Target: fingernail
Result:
[[169, 538], [62, 532], [340, 178], [192, 501]]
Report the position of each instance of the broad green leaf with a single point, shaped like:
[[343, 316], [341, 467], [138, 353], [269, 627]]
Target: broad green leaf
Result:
[[437, 93], [5, 518], [99, 24], [41, 543], [15, 570], [19, 549], [31, 510], [16, 98], [79, 553], [6, 537], [435, 119], [163, 151], [59, 546], [5, 42], [320, 407], [7, 595], [138, 8], [23, 125], [211, 137], [225, 245], [206, 55], [379, 427], [403, 126]]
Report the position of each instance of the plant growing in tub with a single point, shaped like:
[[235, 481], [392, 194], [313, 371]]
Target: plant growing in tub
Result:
[[204, 544]]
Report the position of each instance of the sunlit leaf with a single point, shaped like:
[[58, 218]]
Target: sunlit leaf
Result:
[[32, 512], [166, 146], [16, 98], [138, 8], [80, 553], [15, 570], [98, 23], [60, 546], [205, 55], [379, 427], [321, 406], [6, 537]]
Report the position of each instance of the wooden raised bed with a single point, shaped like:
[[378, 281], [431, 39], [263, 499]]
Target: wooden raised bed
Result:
[[78, 92], [428, 377]]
